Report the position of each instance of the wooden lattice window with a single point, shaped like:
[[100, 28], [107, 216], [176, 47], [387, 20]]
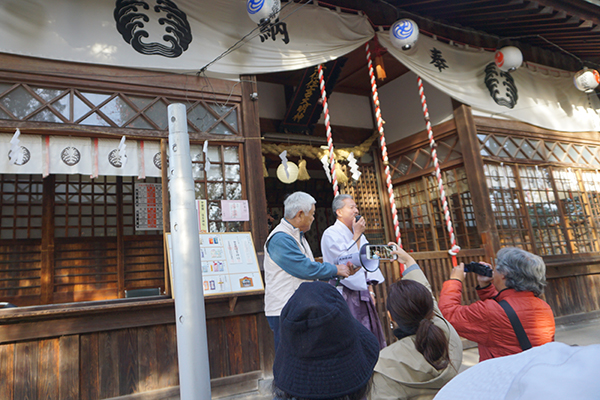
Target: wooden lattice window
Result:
[[21, 205], [549, 211], [63, 105], [509, 211], [513, 147], [223, 181], [415, 161], [85, 207], [577, 214], [421, 217]]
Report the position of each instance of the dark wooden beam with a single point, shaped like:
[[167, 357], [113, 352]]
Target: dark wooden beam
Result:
[[255, 181], [467, 136]]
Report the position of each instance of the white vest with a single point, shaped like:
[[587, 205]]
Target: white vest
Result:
[[279, 285]]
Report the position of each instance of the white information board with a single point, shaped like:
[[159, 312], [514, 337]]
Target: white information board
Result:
[[228, 261]]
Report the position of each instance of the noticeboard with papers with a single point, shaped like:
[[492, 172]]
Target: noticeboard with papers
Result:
[[229, 263]]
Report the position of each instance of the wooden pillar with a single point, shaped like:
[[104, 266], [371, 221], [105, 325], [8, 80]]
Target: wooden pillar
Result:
[[47, 248], [257, 198], [120, 241], [467, 136], [165, 211]]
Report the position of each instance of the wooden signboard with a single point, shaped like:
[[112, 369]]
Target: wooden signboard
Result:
[[229, 264]]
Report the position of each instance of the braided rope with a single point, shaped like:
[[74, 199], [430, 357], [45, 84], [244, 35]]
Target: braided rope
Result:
[[455, 248], [384, 156], [328, 127]]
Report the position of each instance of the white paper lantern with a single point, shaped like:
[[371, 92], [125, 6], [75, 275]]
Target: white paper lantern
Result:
[[587, 80], [508, 58], [404, 34], [292, 170], [262, 11]]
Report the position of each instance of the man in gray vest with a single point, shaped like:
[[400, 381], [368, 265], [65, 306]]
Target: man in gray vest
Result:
[[289, 260]]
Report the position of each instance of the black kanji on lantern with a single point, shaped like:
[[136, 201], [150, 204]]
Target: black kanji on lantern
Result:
[[271, 30], [437, 60]]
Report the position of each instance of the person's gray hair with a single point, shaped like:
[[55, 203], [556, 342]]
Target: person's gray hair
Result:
[[338, 202], [523, 271], [296, 202]]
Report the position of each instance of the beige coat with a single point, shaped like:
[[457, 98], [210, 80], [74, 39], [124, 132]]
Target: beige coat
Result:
[[403, 373]]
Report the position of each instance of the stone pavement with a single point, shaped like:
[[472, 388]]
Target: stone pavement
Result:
[[582, 330]]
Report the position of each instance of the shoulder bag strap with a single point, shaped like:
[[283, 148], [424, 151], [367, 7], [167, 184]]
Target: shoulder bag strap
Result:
[[516, 324]]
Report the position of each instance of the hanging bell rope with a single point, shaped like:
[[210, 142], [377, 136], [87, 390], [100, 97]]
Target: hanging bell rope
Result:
[[328, 128], [384, 156], [455, 248]]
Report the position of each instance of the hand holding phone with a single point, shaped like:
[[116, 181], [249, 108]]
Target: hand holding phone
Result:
[[381, 252]]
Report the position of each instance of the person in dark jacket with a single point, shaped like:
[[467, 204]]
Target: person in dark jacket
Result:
[[324, 352], [519, 278]]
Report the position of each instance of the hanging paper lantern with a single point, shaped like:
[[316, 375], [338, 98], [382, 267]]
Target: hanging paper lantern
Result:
[[292, 174], [262, 11], [587, 80], [404, 34], [508, 58]]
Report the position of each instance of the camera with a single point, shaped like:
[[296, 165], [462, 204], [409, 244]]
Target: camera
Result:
[[479, 269], [380, 252]]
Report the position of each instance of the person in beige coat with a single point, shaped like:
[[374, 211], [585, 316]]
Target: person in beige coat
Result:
[[428, 352]]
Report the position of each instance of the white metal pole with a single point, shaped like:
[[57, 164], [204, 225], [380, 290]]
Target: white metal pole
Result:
[[192, 345]]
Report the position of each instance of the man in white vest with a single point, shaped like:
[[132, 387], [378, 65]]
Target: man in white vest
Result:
[[289, 260]]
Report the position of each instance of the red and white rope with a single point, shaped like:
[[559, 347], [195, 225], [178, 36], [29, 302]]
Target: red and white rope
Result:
[[384, 156], [454, 247], [328, 127]]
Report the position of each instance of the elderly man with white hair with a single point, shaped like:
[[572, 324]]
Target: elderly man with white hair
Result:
[[289, 260]]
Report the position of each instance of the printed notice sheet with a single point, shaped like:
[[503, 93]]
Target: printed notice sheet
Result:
[[229, 264]]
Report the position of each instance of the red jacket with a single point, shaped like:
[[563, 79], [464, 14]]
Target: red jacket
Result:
[[486, 323]]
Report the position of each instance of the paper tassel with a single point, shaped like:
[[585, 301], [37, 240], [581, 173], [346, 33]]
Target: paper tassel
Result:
[[15, 154], [265, 172], [353, 167], [284, 162], [325, 162], [122, 152], [206, 159], [302, 172], [342, 178]]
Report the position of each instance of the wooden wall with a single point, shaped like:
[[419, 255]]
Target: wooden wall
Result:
[[84, 269], [117, 348]]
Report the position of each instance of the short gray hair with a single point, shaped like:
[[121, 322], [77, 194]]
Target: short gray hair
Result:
[[338, 202], [296, 202], [523, 271]]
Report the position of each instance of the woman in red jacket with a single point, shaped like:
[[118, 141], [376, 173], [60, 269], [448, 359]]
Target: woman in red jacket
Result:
[[519, 278]]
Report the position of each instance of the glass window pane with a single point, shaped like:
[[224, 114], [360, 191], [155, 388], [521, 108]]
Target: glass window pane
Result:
[[214, 211], [20, 102], [234, 191], [118, 111], [232, 173], [221, 129], [95, 98], [200, 190], [47, 94], [158, 114], [140, 123], [95, 120], [198, 171], [214, 153], [201, 118], [231, 154], [215, 173], [140, 102], [46, 116], [62, 106], [215, 191]]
